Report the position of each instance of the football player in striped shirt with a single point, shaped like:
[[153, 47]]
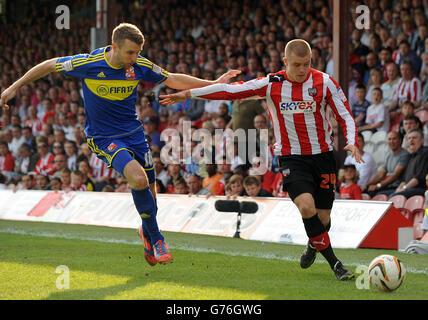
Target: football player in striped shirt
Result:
[[110, 76], [301, 102]]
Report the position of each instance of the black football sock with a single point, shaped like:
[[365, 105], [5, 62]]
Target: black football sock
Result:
[[319, 238], [328, 226]]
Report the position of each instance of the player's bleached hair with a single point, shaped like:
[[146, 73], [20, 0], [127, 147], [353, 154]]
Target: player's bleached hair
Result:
[[127, 31], [298, 47]]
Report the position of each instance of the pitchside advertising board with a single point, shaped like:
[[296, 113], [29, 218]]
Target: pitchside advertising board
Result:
[[371, 224]]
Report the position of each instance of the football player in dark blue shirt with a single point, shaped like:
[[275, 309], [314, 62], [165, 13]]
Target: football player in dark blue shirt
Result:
[[110, 76]]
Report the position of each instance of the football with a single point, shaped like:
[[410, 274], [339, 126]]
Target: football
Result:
[[386, 272]]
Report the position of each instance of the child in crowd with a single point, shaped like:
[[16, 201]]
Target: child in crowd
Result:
[[359, 109], [77, 181], [253, 187], [180, 187], [236, 185], [66, 179], [377, 117], [349, 188]]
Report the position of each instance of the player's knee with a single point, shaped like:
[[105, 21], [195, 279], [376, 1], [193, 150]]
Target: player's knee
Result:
[[306, 205], [306, 210], [139, 181]]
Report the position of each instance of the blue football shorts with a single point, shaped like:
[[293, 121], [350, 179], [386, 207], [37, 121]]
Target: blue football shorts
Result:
[[118, 151]]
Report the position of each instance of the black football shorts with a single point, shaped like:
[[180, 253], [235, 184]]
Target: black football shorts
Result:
[[314, 174]]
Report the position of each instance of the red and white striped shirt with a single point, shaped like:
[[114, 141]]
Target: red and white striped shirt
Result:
[[45, 165], [99, 168], [36, 126], [300, 112], [82, 187], [408, 90]]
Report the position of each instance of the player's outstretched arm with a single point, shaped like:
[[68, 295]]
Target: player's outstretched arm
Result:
[[37, 72], [174, 97], [183, 81]]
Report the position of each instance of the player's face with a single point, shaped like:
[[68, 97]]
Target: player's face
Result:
[[127, 53], [297, 67]]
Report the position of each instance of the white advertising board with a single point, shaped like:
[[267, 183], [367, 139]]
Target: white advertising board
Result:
[[277, 220]]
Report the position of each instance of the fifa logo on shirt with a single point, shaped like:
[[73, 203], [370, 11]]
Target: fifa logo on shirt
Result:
[[104, 90], [292, 107]]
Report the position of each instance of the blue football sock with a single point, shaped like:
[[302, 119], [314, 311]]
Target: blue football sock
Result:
[[147, 209]]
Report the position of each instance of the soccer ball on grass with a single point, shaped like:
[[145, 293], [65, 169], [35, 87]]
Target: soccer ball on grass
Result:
[[386, 272]]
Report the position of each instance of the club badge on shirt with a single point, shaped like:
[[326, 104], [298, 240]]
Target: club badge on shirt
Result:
[[111, 147], [312, 92], [130, 73]]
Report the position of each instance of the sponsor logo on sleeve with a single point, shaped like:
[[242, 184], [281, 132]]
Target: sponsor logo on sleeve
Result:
[[276, 78], [157, 69], [67, 65], [341, 95]]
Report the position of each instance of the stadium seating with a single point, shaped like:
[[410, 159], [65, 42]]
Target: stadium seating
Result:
[[369, 147], [407, 213], [379, 137], [367, 134], [415, 202], [418, 218], [398, 201], [379, 153], [380, 197], [425, 238], [422, 115], [411, 206]]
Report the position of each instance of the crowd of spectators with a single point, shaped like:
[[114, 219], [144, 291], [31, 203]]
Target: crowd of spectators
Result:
[[43, 147]]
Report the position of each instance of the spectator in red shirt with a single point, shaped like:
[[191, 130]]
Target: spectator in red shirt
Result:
[[349, 188], [277, 188], [7, 161], [45, 163]]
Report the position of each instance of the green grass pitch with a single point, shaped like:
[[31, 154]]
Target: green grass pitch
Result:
[[108, 263]]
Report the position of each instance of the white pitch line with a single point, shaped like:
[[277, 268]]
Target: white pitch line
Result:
[[182, 247]]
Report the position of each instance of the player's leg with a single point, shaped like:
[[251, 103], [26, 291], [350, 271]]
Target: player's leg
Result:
[[145, 203], [315, 230], [324, 197], [318, 235], [309, 254]]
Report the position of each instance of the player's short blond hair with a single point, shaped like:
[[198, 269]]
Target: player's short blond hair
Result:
[[127, 31], [298, 47]]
